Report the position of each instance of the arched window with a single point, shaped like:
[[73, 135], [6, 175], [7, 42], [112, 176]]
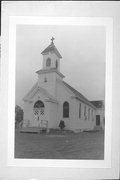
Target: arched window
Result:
[[39, 104], [65, 109], [39, 109], [48, 62]]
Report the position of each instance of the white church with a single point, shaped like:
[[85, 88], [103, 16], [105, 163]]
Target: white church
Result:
[[51, 99]]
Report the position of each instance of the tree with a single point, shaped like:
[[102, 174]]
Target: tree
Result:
[[18, 115]]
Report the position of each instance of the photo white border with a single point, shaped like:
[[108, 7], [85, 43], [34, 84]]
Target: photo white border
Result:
[[75, 21]]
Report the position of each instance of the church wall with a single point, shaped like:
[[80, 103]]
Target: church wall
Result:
[[54, 121], [28, 114], [74, 122], [54, 112], [50, 84], [82, 123], [63, 95]]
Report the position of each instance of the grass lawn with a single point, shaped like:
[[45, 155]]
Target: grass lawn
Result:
[[85, 145]]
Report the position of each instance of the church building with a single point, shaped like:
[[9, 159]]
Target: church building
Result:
[[51, 99]]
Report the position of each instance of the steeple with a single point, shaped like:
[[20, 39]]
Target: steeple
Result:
[[50, 72], [51, 48], [51, 56]]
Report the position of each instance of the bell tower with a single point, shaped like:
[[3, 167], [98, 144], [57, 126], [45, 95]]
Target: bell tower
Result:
[[50, 72], [51, 57]]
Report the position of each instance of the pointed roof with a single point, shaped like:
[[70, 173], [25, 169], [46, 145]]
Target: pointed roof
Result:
[[51, 48], [36, 88], [79, 95]]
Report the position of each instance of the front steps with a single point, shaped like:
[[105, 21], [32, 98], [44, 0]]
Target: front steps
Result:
[[98, 128], [40, 130], [32, 130], [43, 130]]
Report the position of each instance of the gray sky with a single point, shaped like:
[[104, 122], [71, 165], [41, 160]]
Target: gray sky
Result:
[[83, 57]]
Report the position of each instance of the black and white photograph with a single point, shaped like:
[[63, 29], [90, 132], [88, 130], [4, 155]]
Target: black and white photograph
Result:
[[60, 92]]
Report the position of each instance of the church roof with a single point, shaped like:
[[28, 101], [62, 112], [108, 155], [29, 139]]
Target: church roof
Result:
[[51, 48], [42, 71], [29, 96], [98, 104], [79, 95]]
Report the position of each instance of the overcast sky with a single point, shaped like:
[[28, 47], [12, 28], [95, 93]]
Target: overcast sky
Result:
[[83, 57]]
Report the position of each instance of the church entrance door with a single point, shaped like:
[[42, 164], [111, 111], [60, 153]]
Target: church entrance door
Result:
[[39, 112]]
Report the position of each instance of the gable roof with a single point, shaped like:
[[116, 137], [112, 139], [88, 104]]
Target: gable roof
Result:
[[29, 96], [98, 104], [79, 95], [51, 48], [29, 93]]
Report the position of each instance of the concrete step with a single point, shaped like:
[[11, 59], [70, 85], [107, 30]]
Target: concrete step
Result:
[[58, 131], [98, 128], [32, 129]]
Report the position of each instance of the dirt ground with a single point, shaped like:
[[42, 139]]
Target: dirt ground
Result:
[[85, 145]]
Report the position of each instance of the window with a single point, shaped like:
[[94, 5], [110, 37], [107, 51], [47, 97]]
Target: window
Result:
[[39, 104], [56, 63], [88, 113], [66, 109], [79, 111], [48, 62], [92, 115], [85, 113]]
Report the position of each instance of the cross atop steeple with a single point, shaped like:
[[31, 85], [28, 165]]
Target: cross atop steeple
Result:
[[52, 39], [51, 48]]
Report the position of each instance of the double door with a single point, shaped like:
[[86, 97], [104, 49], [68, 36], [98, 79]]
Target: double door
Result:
[[38, 114]]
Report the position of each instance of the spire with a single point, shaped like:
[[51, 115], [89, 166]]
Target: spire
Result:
[[52, 48]]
